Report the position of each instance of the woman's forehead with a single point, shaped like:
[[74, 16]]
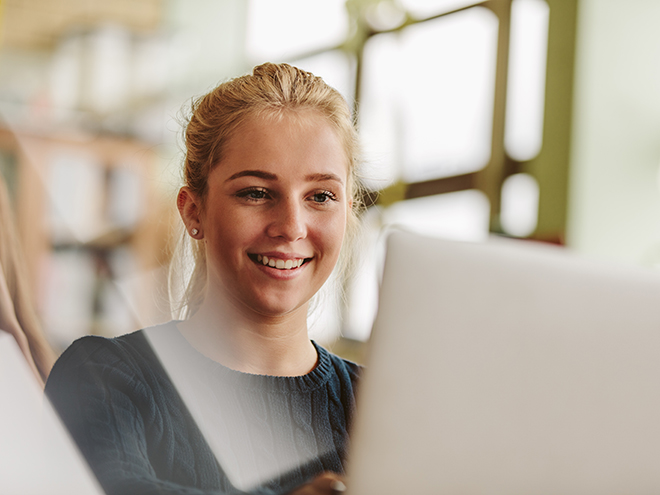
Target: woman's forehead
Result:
[[303, 138]]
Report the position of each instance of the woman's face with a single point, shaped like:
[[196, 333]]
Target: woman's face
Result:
[[275, 213]]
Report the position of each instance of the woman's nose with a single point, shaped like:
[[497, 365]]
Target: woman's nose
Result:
[[288, 222]]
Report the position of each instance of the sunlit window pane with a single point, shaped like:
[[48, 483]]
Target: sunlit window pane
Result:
[[281, 29], [526, 85], [520, 205], [336, 68], [448, 118], [379, 112], [427, 99], [461, 215], [427, 8]]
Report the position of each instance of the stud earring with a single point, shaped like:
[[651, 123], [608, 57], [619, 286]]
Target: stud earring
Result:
[[194, 231]]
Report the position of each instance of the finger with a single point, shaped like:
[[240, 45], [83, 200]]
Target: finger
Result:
[[338, 486], [330, 483], [327, 483]]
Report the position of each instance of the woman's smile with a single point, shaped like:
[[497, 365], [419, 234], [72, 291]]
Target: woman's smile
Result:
[[281, 266], [278, 261]]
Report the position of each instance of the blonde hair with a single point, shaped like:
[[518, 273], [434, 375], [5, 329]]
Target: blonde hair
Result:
[[13, 267], [271, 90]]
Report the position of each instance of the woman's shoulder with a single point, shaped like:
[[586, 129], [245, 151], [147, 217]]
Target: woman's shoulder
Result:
[[342, 367], [347, 364], [95, 349], [130, 353]]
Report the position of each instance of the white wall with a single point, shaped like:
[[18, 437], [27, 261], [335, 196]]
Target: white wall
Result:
[[614, 209]]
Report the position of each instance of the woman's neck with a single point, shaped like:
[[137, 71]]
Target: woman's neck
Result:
[[251, 343]]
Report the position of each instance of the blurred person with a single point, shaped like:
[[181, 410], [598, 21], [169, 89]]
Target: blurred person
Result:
[[17, 312], [235, 397]]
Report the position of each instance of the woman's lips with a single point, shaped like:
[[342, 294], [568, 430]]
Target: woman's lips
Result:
[[279, 262]]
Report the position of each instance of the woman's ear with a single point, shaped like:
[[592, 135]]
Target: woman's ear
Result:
[[189, 206]]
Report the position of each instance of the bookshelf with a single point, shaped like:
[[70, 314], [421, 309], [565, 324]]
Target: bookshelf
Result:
[[94, 217]]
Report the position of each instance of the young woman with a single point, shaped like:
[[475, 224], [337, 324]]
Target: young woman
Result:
[[235, 398]]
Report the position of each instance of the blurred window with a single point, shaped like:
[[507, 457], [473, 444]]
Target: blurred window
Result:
[[520, 204], [276, 30], [460, 216], [526, 82], [427, 98], [427, 8]]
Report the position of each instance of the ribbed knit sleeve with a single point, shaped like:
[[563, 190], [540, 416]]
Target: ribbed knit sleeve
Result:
[[140, 437]]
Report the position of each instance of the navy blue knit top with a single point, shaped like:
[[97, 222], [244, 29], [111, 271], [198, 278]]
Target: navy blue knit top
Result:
[[137, 406]]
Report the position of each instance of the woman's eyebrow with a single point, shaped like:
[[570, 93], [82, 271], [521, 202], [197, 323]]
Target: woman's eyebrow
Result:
[[253, 173], [324, 177], [269, 176]]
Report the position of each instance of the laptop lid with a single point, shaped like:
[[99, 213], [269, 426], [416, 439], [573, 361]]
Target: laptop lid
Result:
[[37, 456], [509, 367]]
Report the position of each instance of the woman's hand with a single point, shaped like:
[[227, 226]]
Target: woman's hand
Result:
[[9, 323], [324, 484]]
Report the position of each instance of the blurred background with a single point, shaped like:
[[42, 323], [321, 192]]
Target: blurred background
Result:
[[537, 119]]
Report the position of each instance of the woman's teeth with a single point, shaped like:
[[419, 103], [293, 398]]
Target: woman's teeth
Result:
[[280, 264]]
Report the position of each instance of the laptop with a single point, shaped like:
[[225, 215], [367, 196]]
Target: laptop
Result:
[[37, 456], [508, 367]]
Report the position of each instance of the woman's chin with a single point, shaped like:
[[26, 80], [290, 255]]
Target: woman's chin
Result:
[[279, 307]]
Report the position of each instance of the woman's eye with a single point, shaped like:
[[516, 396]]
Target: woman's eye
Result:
[[253, 194], [323, 197]]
